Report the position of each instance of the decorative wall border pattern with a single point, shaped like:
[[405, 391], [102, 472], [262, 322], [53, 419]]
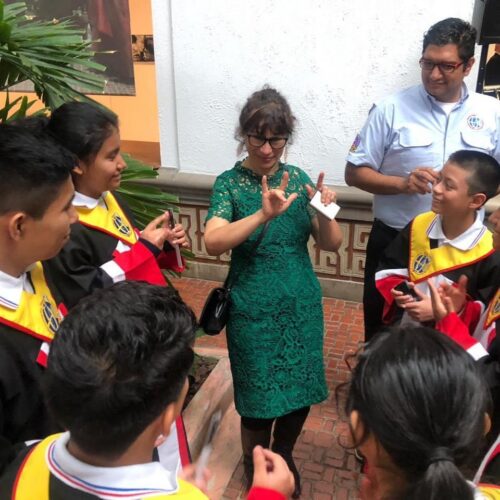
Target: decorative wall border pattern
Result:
[[345, 264]]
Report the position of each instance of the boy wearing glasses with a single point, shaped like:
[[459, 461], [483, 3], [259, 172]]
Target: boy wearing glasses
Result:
[[409, 135]]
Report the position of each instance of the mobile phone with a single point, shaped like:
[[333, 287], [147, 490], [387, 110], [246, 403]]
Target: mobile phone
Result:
[[171, 225], [213, 426], [407, 290]]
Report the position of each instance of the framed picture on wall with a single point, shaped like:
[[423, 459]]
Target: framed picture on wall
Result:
[[107, 22], [143, 49]]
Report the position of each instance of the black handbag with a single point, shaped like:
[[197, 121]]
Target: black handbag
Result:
[[213, 318]]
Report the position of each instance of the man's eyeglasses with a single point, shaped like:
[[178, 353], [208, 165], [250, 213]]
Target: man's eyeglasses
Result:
[[257, 141], [443, 67]]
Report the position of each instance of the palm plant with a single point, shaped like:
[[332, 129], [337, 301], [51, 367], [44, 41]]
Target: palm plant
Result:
[[54, 56]]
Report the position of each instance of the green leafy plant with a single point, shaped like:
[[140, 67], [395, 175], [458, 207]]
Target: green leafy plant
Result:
[[54, 56], [146, 201]]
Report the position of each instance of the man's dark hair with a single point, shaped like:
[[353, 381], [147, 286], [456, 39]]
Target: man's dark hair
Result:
[[484, 171], [455, 31], [120, 357], [33, 167]]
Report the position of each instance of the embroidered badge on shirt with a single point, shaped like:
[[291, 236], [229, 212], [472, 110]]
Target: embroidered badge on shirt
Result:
[[50, 315], [120, 225], [355, 144], [474, 122], [496, 307], [421, 263]]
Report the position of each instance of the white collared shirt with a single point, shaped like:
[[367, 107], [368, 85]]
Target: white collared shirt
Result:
[[131, 482], [82, 200], [12, 288], [467, 240]]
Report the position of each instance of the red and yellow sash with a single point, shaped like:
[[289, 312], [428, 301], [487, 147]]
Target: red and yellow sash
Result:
[[37, 314], [426, 262], [111, 220]]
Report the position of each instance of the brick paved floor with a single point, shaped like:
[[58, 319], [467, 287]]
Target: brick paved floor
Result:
[[328, 470]]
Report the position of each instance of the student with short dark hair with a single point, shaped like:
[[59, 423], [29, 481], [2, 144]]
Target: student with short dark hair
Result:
[[445, 243], [117, 379], [35, 217]]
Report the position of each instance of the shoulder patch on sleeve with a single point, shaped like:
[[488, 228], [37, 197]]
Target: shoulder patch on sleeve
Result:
[[355, 144]]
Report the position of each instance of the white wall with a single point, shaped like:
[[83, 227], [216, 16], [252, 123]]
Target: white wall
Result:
[[330, 58]]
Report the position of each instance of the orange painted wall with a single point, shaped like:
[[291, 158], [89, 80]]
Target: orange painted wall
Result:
[[138, 114]]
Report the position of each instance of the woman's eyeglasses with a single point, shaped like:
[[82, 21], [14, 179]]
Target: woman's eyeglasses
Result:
[[257, 141]]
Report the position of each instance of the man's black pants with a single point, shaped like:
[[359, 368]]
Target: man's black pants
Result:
[[381, 236]]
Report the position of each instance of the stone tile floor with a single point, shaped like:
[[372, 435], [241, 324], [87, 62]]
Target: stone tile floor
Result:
[[328, 470]]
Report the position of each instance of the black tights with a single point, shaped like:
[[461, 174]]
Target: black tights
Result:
[[286, 428]]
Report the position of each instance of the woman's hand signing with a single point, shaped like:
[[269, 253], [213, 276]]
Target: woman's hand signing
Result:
[[327, 195], [275, 201]]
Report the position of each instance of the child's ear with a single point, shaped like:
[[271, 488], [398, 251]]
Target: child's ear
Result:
[[478, 200], [357, 427], [167, 418], [487, 423], [80, 168], [17, 225]]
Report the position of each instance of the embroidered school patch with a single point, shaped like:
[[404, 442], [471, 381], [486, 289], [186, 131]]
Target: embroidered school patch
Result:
[[49, 315], [421, 263], [474, 122], [120, 225], [355, 144]]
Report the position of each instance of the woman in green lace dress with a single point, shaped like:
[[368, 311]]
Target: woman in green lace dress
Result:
[[275, 326]]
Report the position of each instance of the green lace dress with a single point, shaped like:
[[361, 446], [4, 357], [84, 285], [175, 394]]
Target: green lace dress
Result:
[[275, 326]]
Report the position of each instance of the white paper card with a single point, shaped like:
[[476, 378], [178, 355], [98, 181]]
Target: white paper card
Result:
[[329, 211]]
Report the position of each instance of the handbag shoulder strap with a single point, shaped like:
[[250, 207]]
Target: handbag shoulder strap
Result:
[[230, 282]]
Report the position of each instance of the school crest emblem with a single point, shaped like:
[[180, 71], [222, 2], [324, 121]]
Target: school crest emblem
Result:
[[474, 122], [496, 307], [50, 315], [120, 225], [421, 263]]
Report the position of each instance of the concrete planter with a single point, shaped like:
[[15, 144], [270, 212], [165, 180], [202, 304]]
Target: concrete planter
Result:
[[216, 393]]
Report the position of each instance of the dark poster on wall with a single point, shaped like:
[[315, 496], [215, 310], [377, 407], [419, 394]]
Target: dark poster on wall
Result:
[[489, 70], [107, 22]]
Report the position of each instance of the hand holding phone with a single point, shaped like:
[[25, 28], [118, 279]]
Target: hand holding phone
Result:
[[406, 289], [171, 225]]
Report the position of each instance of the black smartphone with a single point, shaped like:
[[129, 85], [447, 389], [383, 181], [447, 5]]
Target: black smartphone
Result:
[[171, 220], [407, 290]]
